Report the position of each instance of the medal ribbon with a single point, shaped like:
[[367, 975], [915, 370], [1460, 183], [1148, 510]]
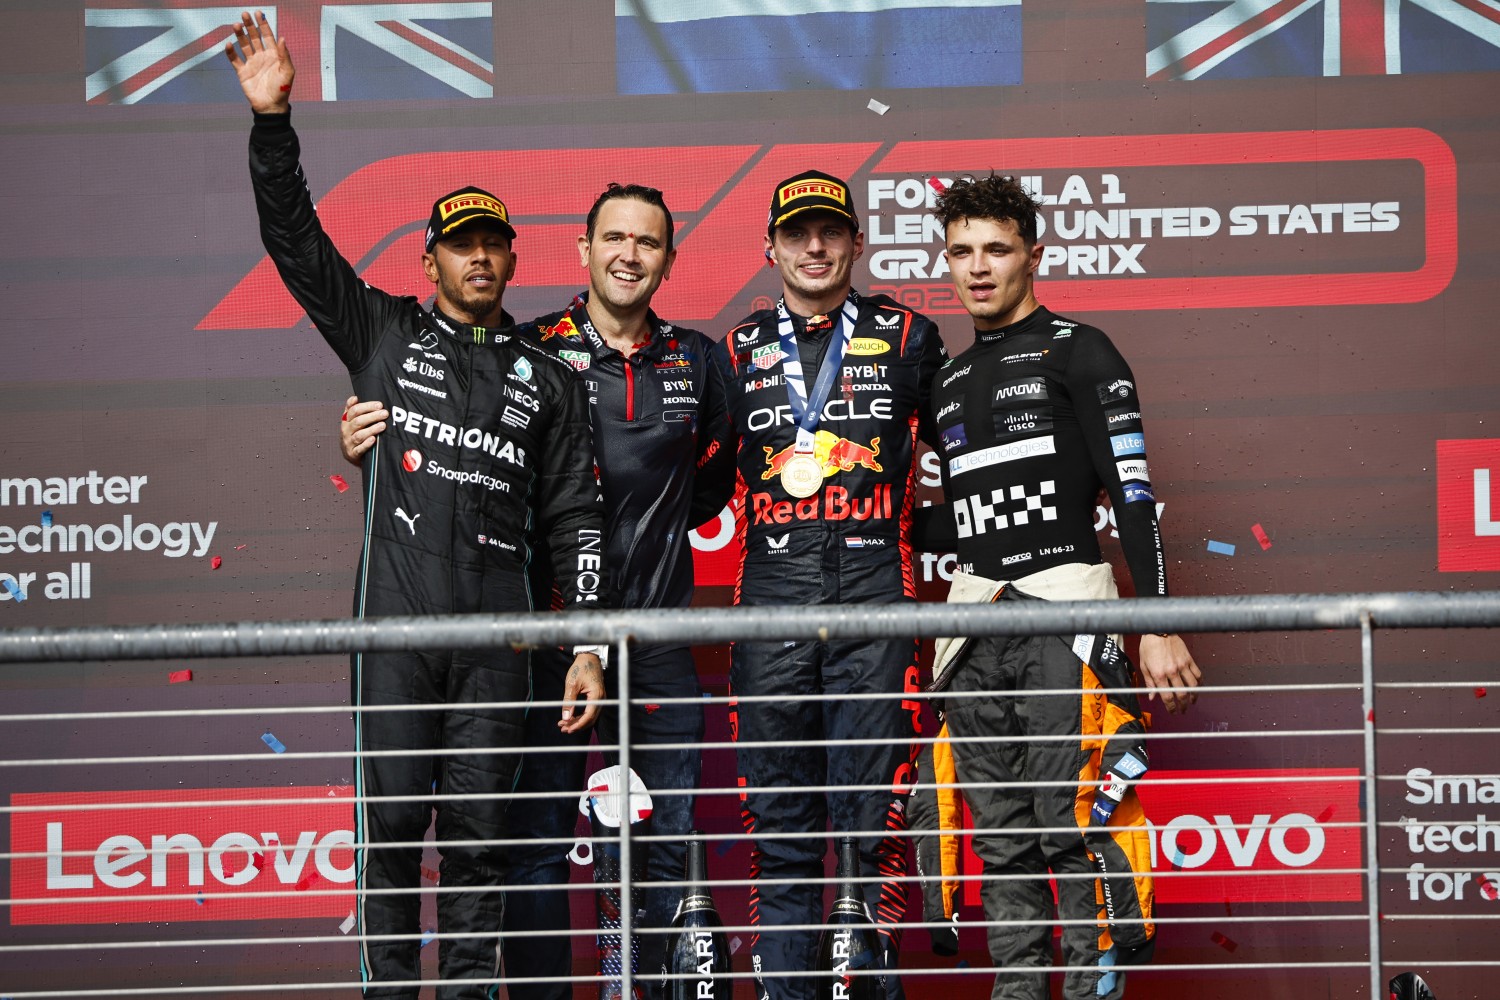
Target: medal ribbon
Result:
[[807, 410]]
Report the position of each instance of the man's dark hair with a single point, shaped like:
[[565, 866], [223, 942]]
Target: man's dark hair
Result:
[[992, 197], [640, 192]]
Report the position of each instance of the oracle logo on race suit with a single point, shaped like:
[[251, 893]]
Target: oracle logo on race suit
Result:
[[1468, 514], [113, 865], [718, 193], [1199, 856]]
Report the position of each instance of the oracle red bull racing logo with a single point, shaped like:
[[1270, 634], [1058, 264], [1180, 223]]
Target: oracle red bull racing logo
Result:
[[836, 454]]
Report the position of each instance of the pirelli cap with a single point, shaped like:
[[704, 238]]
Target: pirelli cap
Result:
[[809, 190], [463, 208]]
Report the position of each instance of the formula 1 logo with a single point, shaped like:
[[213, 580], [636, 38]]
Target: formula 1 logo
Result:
[[718, 193]]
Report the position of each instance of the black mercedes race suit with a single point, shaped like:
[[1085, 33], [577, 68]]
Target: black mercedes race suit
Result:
[[658, 416], [847, 543], [1034, 420], [488, 451]]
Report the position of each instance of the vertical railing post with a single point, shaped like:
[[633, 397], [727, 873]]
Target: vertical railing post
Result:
[[1372, 826], [627, 907]]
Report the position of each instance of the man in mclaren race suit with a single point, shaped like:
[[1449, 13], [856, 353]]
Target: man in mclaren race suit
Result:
[[489, 450], [826, 395], [1035, 418], [658, 418]]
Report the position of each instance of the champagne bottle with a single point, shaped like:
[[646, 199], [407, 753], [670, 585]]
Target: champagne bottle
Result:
[[603, 805], [697, 946], [849, 942]]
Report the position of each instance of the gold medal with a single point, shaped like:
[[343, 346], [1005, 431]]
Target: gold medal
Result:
[[802, 475]]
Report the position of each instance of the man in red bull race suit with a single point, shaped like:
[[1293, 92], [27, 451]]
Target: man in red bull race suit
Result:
[[1037, 417], [488, 458], [826, 395]]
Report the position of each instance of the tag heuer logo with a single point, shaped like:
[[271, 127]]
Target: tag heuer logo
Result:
[[578, 359], [767, 356]]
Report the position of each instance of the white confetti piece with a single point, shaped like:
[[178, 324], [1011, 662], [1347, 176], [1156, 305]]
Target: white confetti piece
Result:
[[877, 107], [348, 924]]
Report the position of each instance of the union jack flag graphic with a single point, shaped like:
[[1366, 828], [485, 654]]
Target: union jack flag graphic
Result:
[[171, 52], [1236, 39]]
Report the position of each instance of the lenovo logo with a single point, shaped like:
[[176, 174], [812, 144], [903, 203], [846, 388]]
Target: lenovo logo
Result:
[[1468, 513], [1260, 838], [114, 865]]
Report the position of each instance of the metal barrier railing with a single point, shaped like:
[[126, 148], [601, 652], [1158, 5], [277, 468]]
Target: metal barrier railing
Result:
[[701, 626]]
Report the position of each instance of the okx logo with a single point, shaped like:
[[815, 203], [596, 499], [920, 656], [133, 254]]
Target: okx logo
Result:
[[1468, 511]]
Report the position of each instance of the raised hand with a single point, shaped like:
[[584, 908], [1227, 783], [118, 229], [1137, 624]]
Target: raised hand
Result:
[[262, 63]]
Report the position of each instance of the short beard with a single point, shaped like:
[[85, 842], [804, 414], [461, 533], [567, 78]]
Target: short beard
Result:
[[473, 301]]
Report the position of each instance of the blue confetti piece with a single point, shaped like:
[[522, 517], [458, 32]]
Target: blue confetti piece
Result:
[[1177, 858], [725, 846], [46, 519], [1361, 798], [199, 900], [1222, 548], [963, 963], [15, 592], [272, 742], [427, 937]]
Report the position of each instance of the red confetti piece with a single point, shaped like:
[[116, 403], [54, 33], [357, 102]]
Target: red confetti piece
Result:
[[1325, 815], [652, 709], [179, 677], [241, 548], [430, 874], [258, 859], [308, 881], [1261, 536], [1370, 717], [1224, 942], [216, 562], [1480, 692], [1487, 890], [1227, 911], [338, 482], [286, 88], [936, 185]]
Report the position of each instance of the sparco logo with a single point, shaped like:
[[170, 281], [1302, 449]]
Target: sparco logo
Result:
[[124, 860]]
